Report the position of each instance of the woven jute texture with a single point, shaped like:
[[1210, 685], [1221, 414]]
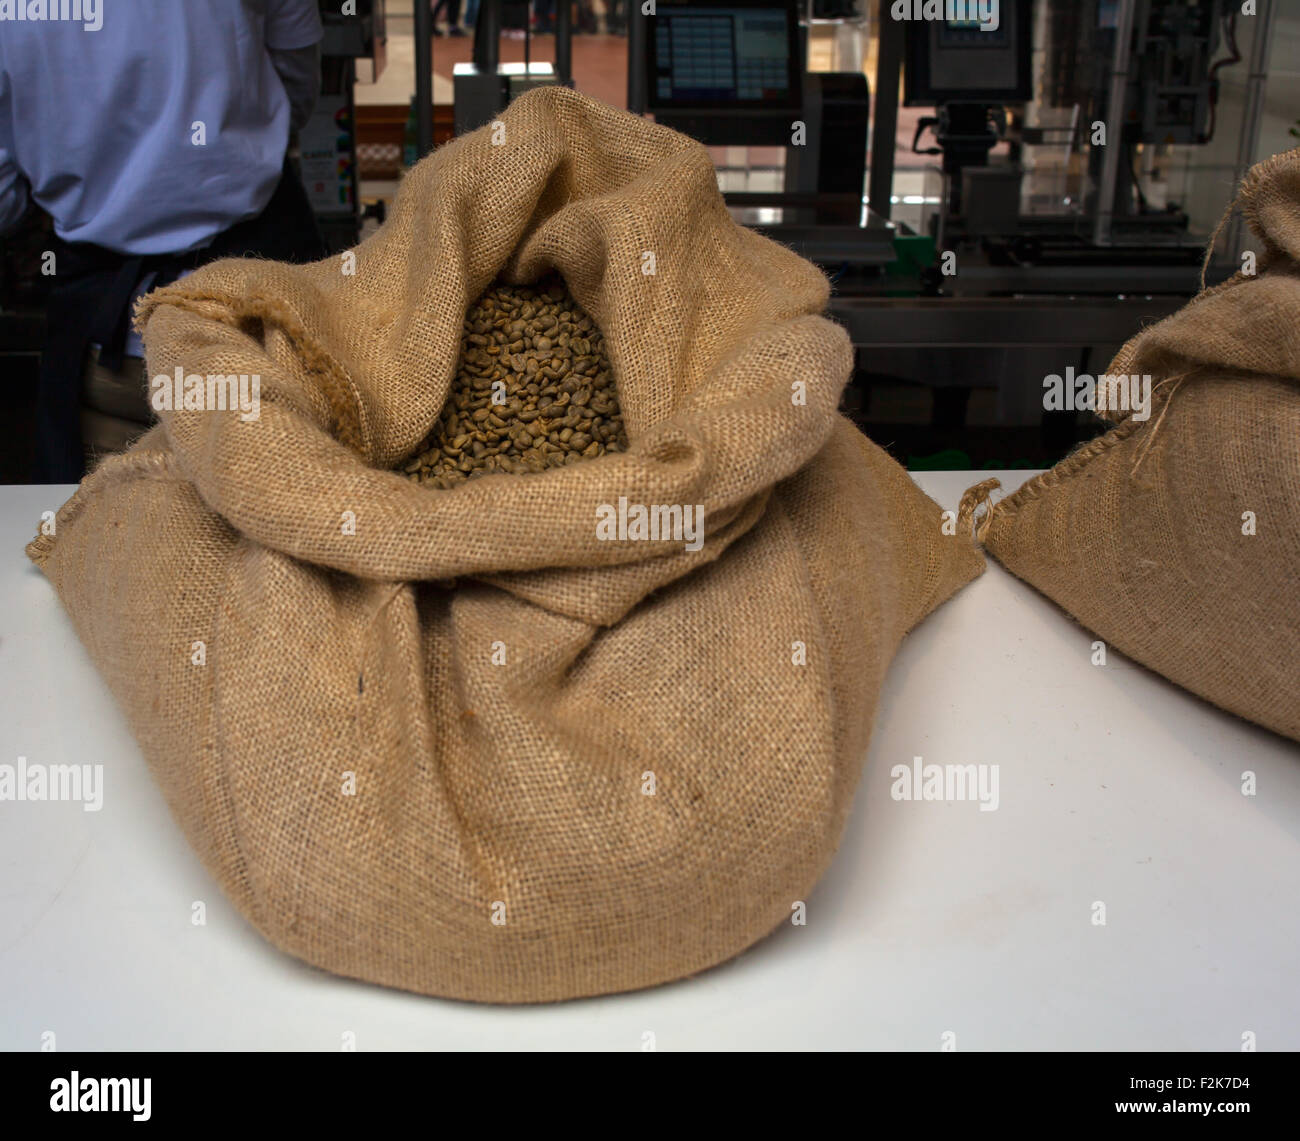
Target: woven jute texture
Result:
[[1144, 534], [448, 740]]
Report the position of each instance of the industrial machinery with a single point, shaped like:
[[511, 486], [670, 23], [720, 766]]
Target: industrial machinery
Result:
[[327, 143], [1086, 151], [733, 74], [969, 72], [1121, 106], [484, 87]]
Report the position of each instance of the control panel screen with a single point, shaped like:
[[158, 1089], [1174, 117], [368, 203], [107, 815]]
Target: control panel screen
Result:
[[705, 56]]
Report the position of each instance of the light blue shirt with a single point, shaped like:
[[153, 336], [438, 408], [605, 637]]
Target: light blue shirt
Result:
[[154, 131]]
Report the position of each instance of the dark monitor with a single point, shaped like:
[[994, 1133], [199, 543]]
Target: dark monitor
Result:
[[721, 57], [959, 61]]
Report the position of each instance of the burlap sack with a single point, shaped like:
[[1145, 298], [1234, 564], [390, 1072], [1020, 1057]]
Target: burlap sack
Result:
[[1177, 539], [449, 741]]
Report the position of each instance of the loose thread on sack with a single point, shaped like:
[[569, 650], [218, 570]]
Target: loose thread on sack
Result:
[[1177, 382], [976, 497], [1214, 240]]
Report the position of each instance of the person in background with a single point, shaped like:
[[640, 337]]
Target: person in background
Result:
[[453, 17], [155, 135], [584, 21]]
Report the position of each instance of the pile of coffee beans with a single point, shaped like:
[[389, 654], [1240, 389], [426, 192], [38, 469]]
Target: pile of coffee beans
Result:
[[533, 390]]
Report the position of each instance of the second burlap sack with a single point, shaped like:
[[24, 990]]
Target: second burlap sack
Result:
[[1177, 538], [451, 740]]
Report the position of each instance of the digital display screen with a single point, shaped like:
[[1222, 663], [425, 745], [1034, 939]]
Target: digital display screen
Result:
[[973, 34], [707, 56], [967, 61]]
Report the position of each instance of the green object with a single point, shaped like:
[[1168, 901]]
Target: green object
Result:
[[1022, 464], [951, 460], [913, 252]]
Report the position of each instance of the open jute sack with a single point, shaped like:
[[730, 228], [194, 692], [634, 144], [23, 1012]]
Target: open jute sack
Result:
[[449, 740], [1177, 538]]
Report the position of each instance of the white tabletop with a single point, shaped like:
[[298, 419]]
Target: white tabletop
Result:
[[936, 918]]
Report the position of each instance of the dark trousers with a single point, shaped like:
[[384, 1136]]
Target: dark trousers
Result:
[[91, 301]]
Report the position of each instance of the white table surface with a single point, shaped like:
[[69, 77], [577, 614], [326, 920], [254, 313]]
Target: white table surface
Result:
[[1115, 786]]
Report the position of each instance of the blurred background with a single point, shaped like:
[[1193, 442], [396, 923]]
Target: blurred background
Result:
[[997, 194]]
